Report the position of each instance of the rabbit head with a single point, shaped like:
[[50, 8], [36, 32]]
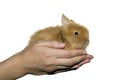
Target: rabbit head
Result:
[[75, 36]]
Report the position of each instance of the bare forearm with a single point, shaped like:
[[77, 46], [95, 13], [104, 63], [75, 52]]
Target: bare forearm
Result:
[[11, 69]]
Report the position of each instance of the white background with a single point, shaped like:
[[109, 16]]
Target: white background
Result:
[[20, 18]]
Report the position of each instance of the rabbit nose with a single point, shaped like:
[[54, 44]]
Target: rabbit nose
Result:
[[86, 39], [87, 42]]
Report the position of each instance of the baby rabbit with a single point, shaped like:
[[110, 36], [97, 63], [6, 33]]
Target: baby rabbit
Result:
[[74, 36]]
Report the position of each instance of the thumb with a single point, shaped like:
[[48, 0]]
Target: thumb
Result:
[[52, 44]]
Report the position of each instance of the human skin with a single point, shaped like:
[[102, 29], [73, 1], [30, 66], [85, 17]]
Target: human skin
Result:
[[43, 57]]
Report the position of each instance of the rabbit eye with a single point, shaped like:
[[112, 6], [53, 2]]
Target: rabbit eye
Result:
[[76, 33]]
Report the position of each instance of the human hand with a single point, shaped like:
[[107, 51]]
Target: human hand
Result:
[[45, 57]]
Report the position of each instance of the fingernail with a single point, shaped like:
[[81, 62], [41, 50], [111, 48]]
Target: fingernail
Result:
[[90, 56], [61, 44]]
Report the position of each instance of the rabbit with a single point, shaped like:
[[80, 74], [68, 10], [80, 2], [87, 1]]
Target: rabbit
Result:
[[74, 36]]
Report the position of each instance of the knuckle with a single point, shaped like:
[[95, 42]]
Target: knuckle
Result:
[[69, 63], [47, 55], [50, 63], [71, 54], [68, 54], [51, 69], [82, 52], [77, 52]]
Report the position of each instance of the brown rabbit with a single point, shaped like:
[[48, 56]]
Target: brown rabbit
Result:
[[74, 36]]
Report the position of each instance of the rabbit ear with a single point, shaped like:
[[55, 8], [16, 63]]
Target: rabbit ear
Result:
[[65, 20]]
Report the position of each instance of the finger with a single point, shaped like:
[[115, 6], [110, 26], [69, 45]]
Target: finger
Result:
[[81, 63], [84, 62], [68, 53], [62, 70], [59, 69], [70, 61], [87, 60], [52, 44], [89, 56]]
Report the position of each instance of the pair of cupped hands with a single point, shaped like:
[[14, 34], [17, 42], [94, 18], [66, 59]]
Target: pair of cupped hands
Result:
[[43, 57], [46, 57]]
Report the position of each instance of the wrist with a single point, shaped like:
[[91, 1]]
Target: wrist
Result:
[[19, 65]]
